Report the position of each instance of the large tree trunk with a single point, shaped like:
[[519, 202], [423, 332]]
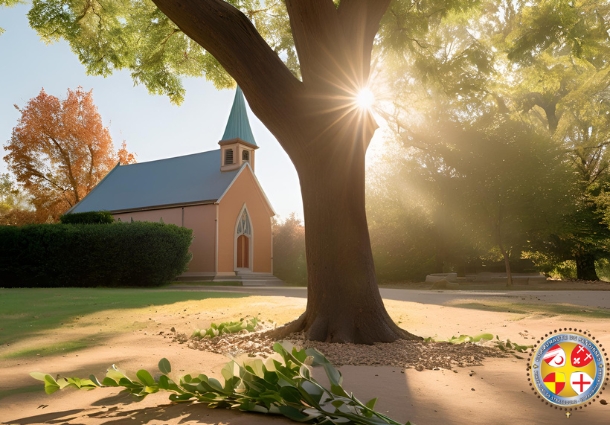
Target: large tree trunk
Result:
[[326, 136], [343, 301], [585, 267]]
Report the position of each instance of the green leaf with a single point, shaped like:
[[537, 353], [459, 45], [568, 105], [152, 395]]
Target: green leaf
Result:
[[164, 382], [145, 377], [338, 390], [215, 384], [484, 337], [334, 376], [313, 390], [164, 366], [300, 355], [294, 414], [109, 382], [291, 395], [38, 375], [181, 398], [371, 403], [50, 385], [95, 380], [227, 371]]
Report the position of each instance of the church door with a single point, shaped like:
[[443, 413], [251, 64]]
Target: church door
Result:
[[243, 241], [243, 252]]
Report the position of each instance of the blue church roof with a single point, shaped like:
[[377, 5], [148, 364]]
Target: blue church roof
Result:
[[238, 125], [180, 180]]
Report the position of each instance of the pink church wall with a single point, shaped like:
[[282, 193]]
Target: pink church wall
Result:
[[202, 219]]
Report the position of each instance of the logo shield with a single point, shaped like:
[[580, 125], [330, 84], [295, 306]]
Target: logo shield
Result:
[[581, 356], [555, 357]]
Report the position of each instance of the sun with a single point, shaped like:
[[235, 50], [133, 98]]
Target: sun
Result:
[[365, 98]]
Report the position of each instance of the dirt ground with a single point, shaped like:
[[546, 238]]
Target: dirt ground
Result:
[[496, 393]]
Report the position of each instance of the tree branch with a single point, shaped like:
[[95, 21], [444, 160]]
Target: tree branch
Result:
[[232, 39]]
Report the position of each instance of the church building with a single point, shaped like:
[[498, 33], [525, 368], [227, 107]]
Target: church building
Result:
[[215, 193]]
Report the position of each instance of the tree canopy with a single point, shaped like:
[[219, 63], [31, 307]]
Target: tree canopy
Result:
[[59, 150]]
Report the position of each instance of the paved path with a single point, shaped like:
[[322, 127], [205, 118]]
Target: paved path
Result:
[[584, 298]]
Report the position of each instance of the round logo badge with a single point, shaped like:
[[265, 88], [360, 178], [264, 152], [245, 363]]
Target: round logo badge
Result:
[[568, 369]]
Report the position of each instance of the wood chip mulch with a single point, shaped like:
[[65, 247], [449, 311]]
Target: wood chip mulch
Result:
[[401, 353]]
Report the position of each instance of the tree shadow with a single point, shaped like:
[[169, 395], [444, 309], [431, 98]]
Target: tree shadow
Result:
[[48, 418], [26, 312]]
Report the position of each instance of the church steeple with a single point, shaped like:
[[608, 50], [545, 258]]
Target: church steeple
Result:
[[237, 143]]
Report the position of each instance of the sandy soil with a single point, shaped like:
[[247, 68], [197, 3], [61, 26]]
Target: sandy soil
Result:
[[497, 393]]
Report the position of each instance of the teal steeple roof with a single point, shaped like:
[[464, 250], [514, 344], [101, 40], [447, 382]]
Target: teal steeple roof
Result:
[[238, 125]]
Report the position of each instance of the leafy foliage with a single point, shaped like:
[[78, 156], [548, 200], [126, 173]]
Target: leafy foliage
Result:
[[504, 345], [15, 208], [289, 263], [281, 385], [59, 150], [461, 339], [90, 217], [109, 35], [118, 254], [226, 328]]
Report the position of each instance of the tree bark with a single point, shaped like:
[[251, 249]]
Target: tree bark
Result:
[[326, 137], [585, 267], [343, 302]]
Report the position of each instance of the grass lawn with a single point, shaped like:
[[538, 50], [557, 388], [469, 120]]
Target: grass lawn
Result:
[[28, 311]]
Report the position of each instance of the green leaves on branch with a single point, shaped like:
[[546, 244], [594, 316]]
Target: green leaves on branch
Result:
[[281, 385], [461, 339], [110, 35], [506, 346], [510, 347], [226, 328]]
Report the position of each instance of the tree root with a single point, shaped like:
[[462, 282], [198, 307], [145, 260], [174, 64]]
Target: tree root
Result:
[[319, 330]]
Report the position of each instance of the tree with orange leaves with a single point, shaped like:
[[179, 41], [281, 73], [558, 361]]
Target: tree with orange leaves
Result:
[[60, 150]]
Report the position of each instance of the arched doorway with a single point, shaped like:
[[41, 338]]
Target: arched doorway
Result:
[[243, 242], [243, 252]]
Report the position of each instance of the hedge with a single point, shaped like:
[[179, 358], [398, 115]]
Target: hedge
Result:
[[91, 217], [118, 254]]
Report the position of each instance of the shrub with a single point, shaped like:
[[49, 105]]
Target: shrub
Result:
[[120, 254], [91, 217]]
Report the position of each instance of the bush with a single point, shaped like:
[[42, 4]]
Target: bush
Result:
[[91, 217], [120, 254]]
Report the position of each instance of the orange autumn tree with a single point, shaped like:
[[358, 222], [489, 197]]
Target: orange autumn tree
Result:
[[59, 150]]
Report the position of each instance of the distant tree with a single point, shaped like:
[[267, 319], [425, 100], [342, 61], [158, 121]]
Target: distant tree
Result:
[[289, 263], [60, 150], [403, 236], [14, 206]]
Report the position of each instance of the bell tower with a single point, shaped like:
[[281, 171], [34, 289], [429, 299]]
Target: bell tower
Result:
[[237, 145]]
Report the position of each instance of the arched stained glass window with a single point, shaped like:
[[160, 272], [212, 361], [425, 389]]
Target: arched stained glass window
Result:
[[243, 227]]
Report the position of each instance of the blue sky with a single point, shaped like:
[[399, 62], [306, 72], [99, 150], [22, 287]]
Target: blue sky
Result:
[[151, 125]]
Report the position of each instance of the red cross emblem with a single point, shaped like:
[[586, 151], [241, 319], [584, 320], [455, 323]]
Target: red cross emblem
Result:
[[580, 382], [580, 356]]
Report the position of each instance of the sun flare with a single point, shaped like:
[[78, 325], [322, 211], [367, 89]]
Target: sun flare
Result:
[[365, 98]]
